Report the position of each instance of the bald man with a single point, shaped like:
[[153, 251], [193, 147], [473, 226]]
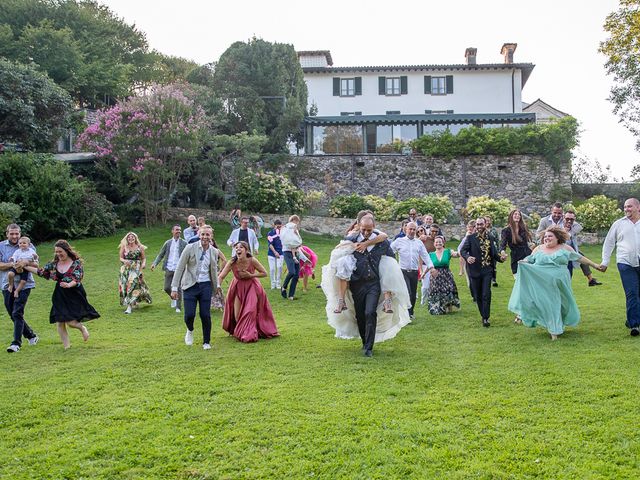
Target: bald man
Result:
[[365, 282], [624, 236]]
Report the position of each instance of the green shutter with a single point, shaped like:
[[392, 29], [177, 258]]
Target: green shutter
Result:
[[427, 84], [382, 85], [358, 83], [449, 83], [428, 112], [449, 111], [336, 86], [358, 113], [403, 85]]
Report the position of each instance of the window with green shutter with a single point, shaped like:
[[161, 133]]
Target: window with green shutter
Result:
[[449, 84], [358, 85]]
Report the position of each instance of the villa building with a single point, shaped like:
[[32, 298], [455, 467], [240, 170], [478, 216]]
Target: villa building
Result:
[[377, 109]]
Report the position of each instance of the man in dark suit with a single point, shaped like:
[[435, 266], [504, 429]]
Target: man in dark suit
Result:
[[479, 252], [365, 281]]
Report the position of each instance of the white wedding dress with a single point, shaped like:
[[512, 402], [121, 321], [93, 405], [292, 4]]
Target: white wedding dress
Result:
[[341, 264]]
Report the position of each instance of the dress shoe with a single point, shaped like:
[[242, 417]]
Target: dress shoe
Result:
[[495, 284], [368, 353], [635, 332], [593, 282], [485, 322], [283, 292]]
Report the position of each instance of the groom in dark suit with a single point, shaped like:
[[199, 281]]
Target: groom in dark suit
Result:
[[365, 281], [480, 253]]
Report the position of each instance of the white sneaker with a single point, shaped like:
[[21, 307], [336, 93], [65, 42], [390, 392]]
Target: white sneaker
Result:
[[16, 348], [128, 310], [174, 303], [178, 310], [188, 338], [206, 346], [34, 340]]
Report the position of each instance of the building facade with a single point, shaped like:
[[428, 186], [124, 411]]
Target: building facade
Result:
[[378, 109]]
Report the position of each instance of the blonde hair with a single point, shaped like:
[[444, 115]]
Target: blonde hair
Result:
[[294, 218], [124, 243]]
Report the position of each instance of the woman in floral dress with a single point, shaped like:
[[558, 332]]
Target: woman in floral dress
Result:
[[131, 285], [69, 305]]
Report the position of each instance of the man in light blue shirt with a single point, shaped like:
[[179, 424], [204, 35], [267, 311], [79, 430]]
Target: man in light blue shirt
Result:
[[624, 236], [15, 305]]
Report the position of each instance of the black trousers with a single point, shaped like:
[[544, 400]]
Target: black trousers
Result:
[[366, 296], [481, 287], [15, 309], [411, 279], [200, 293]]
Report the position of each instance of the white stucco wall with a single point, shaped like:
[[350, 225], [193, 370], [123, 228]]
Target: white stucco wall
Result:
[[478, 91]]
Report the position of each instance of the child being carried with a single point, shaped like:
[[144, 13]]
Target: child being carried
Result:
[[26, 253]]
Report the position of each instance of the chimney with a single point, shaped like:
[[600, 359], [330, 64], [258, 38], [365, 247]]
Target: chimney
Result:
[[507, 50], [470, 55]]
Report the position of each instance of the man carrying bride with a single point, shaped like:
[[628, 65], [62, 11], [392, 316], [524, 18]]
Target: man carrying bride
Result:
[[362, 311]]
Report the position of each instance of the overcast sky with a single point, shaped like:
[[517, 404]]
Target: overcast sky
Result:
[[561, 37]]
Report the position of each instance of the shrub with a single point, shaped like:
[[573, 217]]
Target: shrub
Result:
[[498, 210], [383, 208], [313, 199], [269, 193], [598, 213], [9, 213], [54, 203], [347, 206], [437, 205], [553, 141]]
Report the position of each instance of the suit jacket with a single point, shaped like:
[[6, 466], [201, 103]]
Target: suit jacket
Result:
[[253, 240], [369, 261], [166, 249], [186, 274], [471, 248]]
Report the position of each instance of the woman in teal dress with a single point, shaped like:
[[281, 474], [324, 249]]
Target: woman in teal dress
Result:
[[542, 294], [443, 293]]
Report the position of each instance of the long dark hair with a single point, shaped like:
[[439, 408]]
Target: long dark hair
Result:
[[518, 229], [64, 245], [234, 259]]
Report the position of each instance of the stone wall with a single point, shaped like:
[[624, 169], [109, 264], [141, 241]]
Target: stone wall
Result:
[[527, 180]]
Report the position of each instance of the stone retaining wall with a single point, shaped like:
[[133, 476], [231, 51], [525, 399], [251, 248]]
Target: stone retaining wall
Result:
[[527, 180]]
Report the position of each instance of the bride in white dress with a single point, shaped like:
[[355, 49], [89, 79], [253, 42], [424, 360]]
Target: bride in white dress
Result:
[[390, 320]]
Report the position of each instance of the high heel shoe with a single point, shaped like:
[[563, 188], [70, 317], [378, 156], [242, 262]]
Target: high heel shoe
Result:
[[342, 306], [386, 306]]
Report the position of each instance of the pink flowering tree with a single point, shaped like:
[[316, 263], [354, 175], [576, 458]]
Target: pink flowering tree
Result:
[[149, 142]]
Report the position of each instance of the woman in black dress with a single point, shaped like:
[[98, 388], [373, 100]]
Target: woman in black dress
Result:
[[517, 236], [69, 300]]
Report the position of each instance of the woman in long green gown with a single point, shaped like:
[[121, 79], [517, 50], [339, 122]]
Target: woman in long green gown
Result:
[[542, 294]]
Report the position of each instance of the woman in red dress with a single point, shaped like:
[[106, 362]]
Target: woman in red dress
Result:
[[247, 313]]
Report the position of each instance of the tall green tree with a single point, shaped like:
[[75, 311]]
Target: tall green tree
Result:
[[33, 108], [263, 89], [82, 45], [622, 49]]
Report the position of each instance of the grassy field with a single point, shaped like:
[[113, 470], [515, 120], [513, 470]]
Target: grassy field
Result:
[[445, 399]]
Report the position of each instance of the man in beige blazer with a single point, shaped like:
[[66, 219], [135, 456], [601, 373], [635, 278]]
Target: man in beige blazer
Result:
[[197, 276]]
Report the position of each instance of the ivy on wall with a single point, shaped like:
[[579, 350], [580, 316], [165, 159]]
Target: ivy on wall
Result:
[[553, 141]]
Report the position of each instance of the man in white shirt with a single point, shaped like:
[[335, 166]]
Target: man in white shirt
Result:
[[410, 250], [244, 234], [192, 229], [197, 276], [624, 236], [170, 252]]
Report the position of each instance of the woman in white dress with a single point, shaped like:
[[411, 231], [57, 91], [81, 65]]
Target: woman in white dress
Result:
[[340, 308]]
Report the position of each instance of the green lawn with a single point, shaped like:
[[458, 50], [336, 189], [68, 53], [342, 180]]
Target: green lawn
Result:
[[445, 399]]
